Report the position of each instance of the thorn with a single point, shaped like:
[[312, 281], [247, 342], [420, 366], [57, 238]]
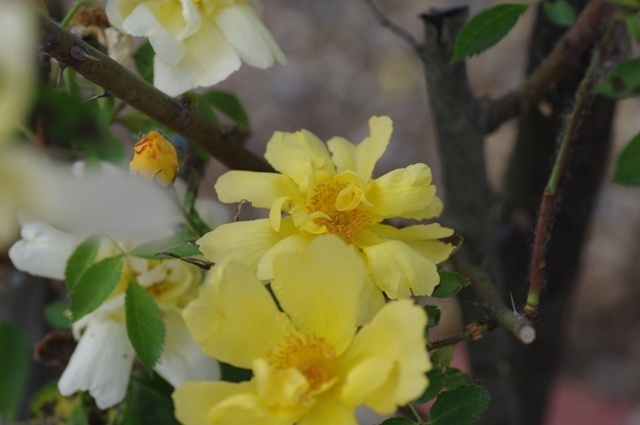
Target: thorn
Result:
[[98, 96], [61, 69], [80, 54], [513, 303]]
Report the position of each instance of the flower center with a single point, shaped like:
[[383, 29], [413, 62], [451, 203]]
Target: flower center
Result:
[[312, 356], [340, 207]]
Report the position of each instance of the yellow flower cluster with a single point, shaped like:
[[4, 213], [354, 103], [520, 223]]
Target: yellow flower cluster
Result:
[[322, 340]]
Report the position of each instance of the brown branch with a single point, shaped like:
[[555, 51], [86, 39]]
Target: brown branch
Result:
[[126, 86], [474, 332], [391, 26], [553, 68], [543, 227], [510, 320]]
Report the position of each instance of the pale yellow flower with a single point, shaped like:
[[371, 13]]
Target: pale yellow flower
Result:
[[197, 42], [155, 157], [330, 189], [311, 366], [17, 63]]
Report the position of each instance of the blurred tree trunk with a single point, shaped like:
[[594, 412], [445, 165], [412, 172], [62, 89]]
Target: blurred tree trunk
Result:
[[535, 366]]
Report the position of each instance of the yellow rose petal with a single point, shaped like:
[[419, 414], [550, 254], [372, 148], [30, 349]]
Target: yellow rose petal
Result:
[[260, 189], [343, 153], [405, 192], [227, 331], [246, 241], [329, 410], [399, 270], [423, 238], [395, 340], [321, 301], [371, 149], [294, 154]]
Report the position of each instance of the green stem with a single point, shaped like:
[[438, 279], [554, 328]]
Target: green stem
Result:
[[67, 19], [27, 133], [549, 197], [417, 414]]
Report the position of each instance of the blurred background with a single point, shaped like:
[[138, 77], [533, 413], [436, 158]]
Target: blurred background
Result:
[[344, 68]]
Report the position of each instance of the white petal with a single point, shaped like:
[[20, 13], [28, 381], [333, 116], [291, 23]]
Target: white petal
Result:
[[244, 30], [182, 359], [113, 202], [100, 364], [208, 59], [43, 250], [192, 19], [212, 212], [143, 22], [117, 10]]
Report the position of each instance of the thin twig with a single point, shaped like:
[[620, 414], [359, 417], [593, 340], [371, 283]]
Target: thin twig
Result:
[[391, 26], [502, 316], [549, 200], [553, 68], [176, 114], [475, 334]]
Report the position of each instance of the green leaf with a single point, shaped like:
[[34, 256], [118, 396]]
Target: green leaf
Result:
[[80, 260], [149, 401], [560, 12], [450, 379], [622, 82], [433, 313], [55, 314], [399, 420], [95, 285], [144, 324], [436, 384], [485, 29], [136, 122], [175, 244], [15, 362], [627, 170], [460, 406], [206, 109], [442, 356], [450, 284], [633, 26], [229, 105], [143, 58], [633, 4], [454, 378]]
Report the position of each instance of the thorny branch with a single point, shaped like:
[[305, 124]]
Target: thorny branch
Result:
[[126, 86]]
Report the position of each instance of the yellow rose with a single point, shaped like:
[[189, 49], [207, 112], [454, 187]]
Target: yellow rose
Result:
[[154, 156]]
